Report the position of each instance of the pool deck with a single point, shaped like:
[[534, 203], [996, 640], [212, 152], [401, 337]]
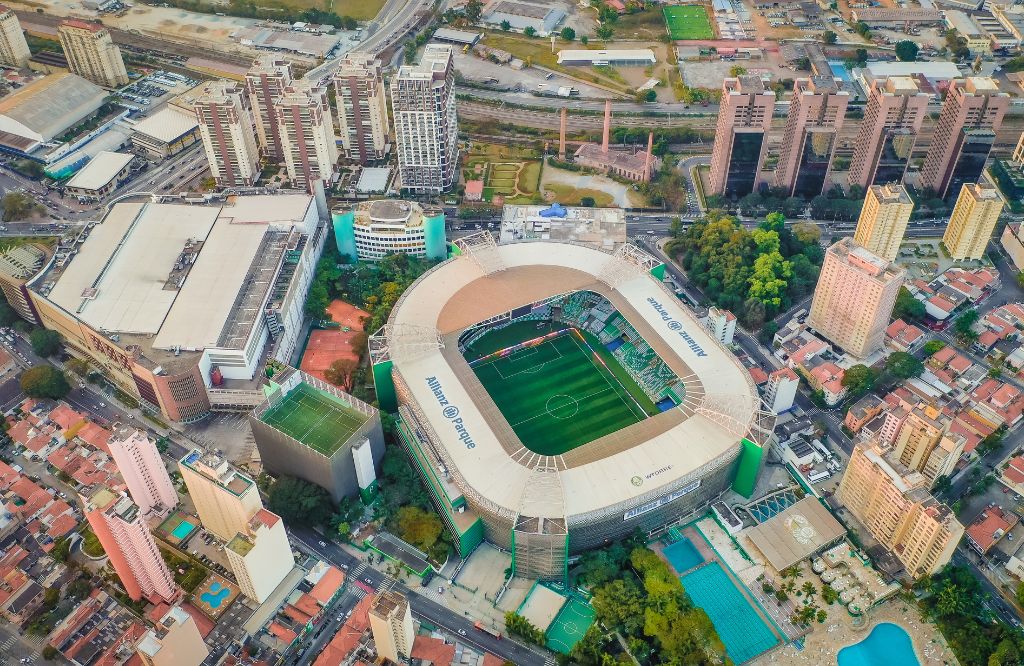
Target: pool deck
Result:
[[823, 644]]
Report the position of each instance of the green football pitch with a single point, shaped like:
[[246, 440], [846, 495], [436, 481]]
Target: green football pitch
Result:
[[560, 393], [314, 418], [688, 22]]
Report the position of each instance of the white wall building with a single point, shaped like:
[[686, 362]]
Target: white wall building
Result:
[[261, 556], [780, 391], [722, 325]]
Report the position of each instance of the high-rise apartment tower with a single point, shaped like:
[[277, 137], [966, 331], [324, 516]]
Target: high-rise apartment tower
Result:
[[815, 117], [265, 82], [306, 130], [225, 499], [363, 125], [883, 220], [228, 132], [13, 46], [893, 115], [972, 222], [391, 624], [143, 470], [744, 116], [91, 53]]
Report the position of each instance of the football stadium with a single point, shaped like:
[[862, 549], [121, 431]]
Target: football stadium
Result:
[[556, 396]]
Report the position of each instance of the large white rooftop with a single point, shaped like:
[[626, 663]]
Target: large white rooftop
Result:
[[100, 170], [172, 271], [167, 124]]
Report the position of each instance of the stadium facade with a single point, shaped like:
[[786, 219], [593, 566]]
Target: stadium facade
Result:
[[708, 432], [311, 430]]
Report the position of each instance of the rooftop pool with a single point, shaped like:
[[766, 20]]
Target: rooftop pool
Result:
[[887, 645]]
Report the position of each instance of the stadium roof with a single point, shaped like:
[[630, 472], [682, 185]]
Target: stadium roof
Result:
[[167, 124], [798, 532], [174, 271], [49, 106], [632, 464], [100, 170]]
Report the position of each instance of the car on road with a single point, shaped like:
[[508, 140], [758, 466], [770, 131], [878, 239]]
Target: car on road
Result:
[[368, 581], [462, 632], [323, 544]]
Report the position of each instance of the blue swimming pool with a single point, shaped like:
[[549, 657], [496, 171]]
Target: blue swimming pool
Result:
[[216, 595], [840, 71], [887, 645], [683, 555], [183, 529]]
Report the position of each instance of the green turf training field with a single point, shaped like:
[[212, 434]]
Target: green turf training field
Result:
[[318, 420], [688, 22], [557, 393]]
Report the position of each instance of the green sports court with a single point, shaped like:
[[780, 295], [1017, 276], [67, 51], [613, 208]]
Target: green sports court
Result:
[[688, 22], [314, 418], [558, 389]]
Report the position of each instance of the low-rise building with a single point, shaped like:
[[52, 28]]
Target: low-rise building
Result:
[[904, 337], [990, 527], [601, 227], [165, 133], [607, 58], [372, 230], [102, 175]]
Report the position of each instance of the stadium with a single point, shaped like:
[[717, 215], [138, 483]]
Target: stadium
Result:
[[556, 397]]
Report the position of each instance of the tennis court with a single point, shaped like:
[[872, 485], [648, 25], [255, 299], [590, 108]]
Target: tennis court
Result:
[[741, 629], [316, 419], [688, 22], [557, 393], [569, 626]]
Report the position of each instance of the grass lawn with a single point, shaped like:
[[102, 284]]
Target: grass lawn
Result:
[[319, 421], [361, 10], [571, 196], [538, 52], [529, 177], [649, 24], [688, 22], [555, 394]]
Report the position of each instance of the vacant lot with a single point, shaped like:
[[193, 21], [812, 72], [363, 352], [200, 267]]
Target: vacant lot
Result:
[[688, 22], [645, 25], [361, 10]]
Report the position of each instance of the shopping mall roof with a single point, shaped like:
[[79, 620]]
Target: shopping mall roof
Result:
[[49, 106], [175, 271], [100, 170], [167, 124], [797, 533]]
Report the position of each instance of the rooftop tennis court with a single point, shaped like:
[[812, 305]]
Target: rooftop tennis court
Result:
[[557, 392], [688, 22], [314, 418], [738, 624]]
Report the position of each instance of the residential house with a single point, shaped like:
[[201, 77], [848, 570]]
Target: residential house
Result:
[[992, 525]]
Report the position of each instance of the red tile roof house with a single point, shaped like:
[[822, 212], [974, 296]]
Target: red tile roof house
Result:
[[990, 527], [997, 402], [474, 190], [433, 651], [1011, 474], [904, 337], [828, 377]]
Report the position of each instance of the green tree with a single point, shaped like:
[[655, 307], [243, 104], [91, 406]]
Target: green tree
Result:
[[506, 26], [962, 327], [903, 365], [605, 32], [19, 206], [44, 342], [933, 346], [907, 307], [7, 314], [829, 37], [584, 40], [737, 70], [300, 502], [49, 652], [420, 528], [530, 31], [906, 50], [568, 34], [44, 381], [1020, 280], [859, 379], [473, 9]]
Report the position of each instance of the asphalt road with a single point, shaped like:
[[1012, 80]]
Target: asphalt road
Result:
[[423, 608]]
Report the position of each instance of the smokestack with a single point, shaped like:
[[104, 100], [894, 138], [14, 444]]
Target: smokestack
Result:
[[647, 158], [607, 125], [561, 134]]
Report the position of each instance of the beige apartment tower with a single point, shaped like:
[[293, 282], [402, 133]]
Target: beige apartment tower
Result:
[[925, 444], [883, 220], [264, 82], [971, 115], [744, 116], [894, 505], [306, 131], [225, 499], [229, 137], [815, 118], [91, 53], [363, 124], [261, 556], [391, 624], [854, 297], [174, 641], [885, 142], [972, 222], [13, 46]]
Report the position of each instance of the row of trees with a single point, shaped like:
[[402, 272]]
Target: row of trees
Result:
[[754, 273]]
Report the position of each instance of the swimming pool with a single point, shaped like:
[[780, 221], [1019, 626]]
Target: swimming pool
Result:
[[215, 596], [839, 70], [683, 555], [887, 645], [183, 529]]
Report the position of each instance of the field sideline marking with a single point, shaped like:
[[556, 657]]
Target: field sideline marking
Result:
[[604, 371]]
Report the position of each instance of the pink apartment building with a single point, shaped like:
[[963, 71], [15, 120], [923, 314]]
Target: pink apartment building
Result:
[[143, 471], [893, 115], [744, 116], [124, 535], [815, 117], [967, 126]]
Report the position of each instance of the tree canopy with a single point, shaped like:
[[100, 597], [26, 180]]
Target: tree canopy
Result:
[[906, 50], [44, 381], [19, 206], [858, 379], [44, 342], [300, 502], [907, 307], [903, 365], [754, 273]]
